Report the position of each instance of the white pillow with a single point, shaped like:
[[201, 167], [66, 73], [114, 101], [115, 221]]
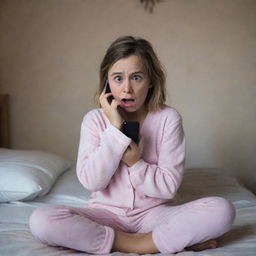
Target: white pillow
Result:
[[68, 188], [26, 174]]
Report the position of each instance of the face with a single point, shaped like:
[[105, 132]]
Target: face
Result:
[[129, 83]]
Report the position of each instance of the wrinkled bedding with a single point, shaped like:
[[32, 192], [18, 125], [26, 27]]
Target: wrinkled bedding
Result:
[[16, 239]]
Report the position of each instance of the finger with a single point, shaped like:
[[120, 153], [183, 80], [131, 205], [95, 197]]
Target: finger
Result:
[[103, 91], [133, 145], [104, 97], [115, 103]]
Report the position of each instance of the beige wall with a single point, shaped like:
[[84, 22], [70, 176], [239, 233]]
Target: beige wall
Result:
[[50, 51]]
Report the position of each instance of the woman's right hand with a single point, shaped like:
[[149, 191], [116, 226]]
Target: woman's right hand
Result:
[[111, 109]]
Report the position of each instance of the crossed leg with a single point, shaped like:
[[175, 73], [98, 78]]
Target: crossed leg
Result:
[[172, 229], [97, 231]]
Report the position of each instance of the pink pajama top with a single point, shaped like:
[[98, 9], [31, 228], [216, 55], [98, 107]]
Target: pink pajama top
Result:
[[152, 181]]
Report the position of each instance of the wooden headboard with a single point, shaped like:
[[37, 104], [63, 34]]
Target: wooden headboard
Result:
[[4, 121]]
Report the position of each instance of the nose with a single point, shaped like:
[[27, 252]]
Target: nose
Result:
[[127, 87]]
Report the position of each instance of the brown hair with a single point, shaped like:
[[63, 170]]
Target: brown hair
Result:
[[126, 46]]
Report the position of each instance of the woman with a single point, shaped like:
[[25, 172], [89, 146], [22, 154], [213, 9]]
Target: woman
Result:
[[133, 184]]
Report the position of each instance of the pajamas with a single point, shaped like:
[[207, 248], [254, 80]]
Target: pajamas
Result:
[[91, 229], [137, 199]]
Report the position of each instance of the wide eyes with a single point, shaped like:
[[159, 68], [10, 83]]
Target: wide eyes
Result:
[[118, 78], [137, 77], [134, 77]]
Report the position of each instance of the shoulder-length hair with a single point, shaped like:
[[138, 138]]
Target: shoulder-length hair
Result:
[[126, 46]]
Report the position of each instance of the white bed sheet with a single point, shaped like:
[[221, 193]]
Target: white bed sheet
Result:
[[16, 239]]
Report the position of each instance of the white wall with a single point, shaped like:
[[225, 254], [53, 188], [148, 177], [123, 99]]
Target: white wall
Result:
[[50, 52]]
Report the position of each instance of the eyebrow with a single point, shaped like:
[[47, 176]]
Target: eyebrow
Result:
[[120, 73]]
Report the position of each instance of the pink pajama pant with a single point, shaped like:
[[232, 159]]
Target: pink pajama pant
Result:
[[173, 227]]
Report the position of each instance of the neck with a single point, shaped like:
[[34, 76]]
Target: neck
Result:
[[138, 115]]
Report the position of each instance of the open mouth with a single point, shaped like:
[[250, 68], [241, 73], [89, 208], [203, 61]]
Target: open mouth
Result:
[[127, 102]]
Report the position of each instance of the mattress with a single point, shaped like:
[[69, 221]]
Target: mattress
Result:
[[16, 239]]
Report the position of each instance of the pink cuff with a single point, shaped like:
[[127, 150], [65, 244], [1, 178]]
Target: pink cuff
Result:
[[108, 242], [119, 135], [137, 166]]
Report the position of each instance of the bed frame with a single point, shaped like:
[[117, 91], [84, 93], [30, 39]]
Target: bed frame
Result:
[[4, 121]]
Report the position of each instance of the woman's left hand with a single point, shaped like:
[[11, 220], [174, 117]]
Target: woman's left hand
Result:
[[133, 153]]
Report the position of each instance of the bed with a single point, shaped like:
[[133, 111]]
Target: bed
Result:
[[31, 178]]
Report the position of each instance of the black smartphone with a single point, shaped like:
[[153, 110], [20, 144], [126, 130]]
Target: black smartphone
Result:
[[110, 98], [132, 130]]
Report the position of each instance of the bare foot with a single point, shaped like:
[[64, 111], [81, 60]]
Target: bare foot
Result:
[[210, 244]]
